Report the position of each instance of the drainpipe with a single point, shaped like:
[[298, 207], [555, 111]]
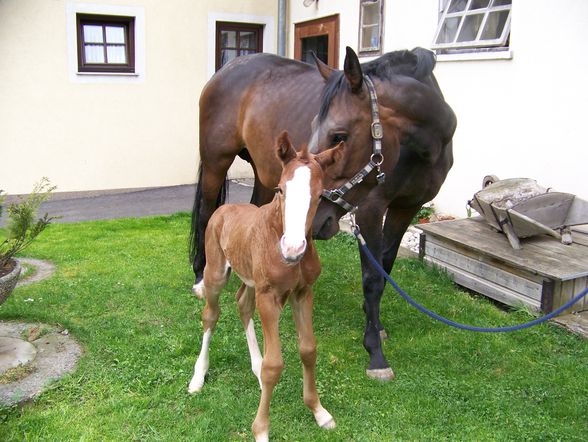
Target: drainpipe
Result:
[[282, 28]]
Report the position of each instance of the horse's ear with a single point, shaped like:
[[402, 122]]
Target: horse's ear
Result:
[[352, 70], [330, 156], [324, 69], [284, 149]]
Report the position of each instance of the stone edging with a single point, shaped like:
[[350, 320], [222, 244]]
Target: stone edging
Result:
[[43, 270]]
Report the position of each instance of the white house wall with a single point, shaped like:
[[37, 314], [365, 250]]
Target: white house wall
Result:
[[522, 116], [88, 132]]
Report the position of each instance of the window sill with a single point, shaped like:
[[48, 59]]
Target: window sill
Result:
[[109, 74], [476, 56]]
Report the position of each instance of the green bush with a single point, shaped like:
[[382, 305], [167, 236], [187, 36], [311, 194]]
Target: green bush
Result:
[[21, 228]]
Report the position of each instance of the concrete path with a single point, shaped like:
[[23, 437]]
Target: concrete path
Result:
[[129, 203]]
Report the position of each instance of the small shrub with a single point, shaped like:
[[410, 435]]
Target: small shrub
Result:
[[424, 214], [22, 229]]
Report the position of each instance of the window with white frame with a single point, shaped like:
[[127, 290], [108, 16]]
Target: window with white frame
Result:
[[473, 25], [370, 27]]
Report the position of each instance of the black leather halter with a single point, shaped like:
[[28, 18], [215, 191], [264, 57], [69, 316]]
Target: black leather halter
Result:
[[376, 159]]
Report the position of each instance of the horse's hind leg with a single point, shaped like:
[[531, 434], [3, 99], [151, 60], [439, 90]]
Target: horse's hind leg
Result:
[[302, 312], [246, 301], [215, 278], [212, 178]]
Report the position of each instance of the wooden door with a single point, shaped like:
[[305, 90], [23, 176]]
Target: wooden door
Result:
[[320, 36]]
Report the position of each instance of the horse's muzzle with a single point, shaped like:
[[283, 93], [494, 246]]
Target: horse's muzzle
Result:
[[292, 253], [325, 228]]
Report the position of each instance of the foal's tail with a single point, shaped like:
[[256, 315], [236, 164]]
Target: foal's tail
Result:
[[194, 233]]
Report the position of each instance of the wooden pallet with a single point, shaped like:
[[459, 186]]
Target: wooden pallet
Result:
[[543, 275]]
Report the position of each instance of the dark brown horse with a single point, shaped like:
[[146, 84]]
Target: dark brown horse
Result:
[[397, 130]]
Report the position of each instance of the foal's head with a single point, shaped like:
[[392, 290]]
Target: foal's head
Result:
[[299, 190]]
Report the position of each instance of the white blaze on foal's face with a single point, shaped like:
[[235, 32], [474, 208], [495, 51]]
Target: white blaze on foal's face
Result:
[[297, 192]]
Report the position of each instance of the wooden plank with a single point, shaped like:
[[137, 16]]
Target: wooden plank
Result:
[[580, 235], [485, 271], [470, 253], [540, 255], [487, 288]]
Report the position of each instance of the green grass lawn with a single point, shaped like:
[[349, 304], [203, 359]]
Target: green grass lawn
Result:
[[122, 288]]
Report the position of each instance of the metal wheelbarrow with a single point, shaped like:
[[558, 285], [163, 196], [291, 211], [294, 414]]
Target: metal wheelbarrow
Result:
[[520, 208]]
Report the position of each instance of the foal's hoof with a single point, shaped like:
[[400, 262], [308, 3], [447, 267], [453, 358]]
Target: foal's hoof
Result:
[[329, 425], [198, 290], [324, 419], [380, 374], [196, 384]]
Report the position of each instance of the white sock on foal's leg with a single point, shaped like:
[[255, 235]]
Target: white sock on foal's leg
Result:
[[198, 289], [201, 366], [324, 419], [254, 350]]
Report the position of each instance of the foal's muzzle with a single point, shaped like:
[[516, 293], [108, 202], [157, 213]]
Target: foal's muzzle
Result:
[[292, 253]]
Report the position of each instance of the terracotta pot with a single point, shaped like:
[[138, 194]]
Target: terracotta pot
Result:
[[8, 282]]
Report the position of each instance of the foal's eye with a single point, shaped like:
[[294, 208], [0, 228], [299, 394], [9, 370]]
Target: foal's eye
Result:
[[338, 137]]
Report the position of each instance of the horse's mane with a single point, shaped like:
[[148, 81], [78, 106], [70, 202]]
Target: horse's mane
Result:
[[418, 64]]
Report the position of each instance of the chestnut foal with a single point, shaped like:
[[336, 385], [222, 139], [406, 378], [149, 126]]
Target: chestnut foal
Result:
[[270, 248]]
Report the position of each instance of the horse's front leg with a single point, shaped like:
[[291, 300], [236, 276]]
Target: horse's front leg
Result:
[[397, 221], [272, 363], [370, 222], [302, 312]]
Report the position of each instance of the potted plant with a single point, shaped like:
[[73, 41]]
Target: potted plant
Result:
[[21, 230]]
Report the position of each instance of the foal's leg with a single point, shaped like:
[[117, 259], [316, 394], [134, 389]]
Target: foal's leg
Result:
[[216, 276], [246, 301], [272, 364], [302, 311]]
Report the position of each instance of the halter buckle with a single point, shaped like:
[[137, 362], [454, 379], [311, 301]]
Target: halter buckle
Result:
[[377, 130], [332, 195]]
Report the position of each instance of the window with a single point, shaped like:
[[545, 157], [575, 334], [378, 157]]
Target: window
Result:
[[105, 43], [236, 39], [473, 24], [370, 27]]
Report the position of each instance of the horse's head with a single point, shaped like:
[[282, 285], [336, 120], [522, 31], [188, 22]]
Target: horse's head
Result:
[[300, 189], [373, 110]]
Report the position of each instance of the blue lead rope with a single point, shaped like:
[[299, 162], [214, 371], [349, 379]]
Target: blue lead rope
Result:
[[449, 322]]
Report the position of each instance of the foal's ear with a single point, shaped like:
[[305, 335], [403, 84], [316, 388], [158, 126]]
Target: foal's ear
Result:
[[284, 149], [352, 70], [330, 156], [324, 69]]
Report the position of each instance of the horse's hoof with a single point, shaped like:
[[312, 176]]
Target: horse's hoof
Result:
[[380, 374], [196, 384], [198, 290], [383, 335]]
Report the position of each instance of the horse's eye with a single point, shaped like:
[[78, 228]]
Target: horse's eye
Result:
[[278, 190], [338, 137]]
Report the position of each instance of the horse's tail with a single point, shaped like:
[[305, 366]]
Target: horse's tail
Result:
[[222, 196]]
